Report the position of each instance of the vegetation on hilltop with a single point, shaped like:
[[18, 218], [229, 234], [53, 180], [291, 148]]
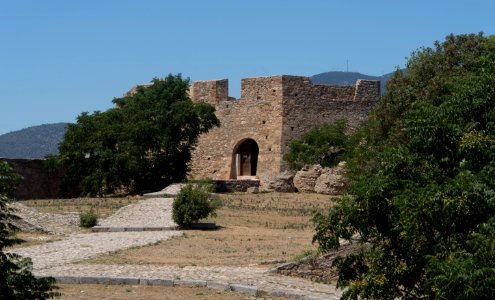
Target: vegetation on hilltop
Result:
[[422, 194], [349, 78], [32, 142], [141, 145]]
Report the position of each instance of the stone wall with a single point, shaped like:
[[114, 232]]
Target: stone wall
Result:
[[367, 90], [223, 186], [307, 105], [210, 91], [257, 116], [37, 182], [272, 111]]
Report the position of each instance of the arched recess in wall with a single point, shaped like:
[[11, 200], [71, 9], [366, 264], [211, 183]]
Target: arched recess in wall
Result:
[[244, 159]]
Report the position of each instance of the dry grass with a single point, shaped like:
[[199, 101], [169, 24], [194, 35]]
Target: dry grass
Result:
[[34, 238], [103, 207], [140, 292], [255, 229]]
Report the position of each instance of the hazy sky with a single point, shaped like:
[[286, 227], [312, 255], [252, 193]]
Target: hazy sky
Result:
[[60, 58]]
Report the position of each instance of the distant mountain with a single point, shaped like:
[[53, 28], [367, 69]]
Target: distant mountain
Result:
[[32, 142], [348, 78]]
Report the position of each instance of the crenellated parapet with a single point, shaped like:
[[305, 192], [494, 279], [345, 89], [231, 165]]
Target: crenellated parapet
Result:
[[271, 112], [283, 86]]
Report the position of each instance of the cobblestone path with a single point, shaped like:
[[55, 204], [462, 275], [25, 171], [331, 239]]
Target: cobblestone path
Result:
[[58, 258]]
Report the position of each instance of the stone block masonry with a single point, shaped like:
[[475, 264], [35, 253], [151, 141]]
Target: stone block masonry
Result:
[[256, 130]]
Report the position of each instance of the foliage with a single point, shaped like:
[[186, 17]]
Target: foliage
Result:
[[193, 203], [88, 219], [16, 279], [422, 195], [143, 144], [322, 145]]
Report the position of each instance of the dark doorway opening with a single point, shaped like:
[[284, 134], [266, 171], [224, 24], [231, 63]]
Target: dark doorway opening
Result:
[[246, 158]]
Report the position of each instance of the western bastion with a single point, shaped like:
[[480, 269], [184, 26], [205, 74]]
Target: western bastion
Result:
[[256, 130]]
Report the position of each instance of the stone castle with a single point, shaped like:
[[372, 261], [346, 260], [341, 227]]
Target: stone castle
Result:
[[257, 129]]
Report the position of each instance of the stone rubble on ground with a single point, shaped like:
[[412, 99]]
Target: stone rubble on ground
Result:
[[277, 182], [316, 179], [331, 181], [305, 179]]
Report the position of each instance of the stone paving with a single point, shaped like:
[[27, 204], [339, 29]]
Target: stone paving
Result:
[[150, 213], [86, 245], [58, 259]]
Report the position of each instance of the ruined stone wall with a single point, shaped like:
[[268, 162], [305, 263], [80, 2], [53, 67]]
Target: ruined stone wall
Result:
[[367, 90], [307, 105], [37, 182], [210, 91], [272, 111], [257, 115]]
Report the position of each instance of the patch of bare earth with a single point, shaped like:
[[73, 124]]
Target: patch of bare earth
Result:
[[266, 228], [140, 292], [35, 238]]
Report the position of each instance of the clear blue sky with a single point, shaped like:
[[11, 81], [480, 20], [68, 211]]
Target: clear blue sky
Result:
[[59, 58]]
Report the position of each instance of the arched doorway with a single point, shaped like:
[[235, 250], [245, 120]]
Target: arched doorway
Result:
[[245, 159]]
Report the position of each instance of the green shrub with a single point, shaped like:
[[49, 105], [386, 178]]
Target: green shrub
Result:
[[303, 255], [324, 144], [193, 203], [88, 219]]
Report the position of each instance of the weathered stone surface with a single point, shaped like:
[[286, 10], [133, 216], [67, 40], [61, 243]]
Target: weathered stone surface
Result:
[[217, 285], [248, 289], [156, 281], [331, 181], [272, 111], [305, 179], [190, 283], [230, 186], [277, 182], [253, 190], [317, 268]]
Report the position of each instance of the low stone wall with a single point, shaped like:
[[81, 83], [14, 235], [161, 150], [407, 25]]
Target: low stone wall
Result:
[[224, 186], [38, 182]]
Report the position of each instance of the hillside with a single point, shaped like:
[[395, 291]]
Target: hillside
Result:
[[348, 78], [32, 142]]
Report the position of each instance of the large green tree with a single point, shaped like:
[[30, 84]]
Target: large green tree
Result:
[[142, 144], [422, 195], [16, 279]]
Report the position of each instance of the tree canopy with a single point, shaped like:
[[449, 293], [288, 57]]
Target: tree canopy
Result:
[[324, 145], [422, 194], [16, 279], [142, 144]]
